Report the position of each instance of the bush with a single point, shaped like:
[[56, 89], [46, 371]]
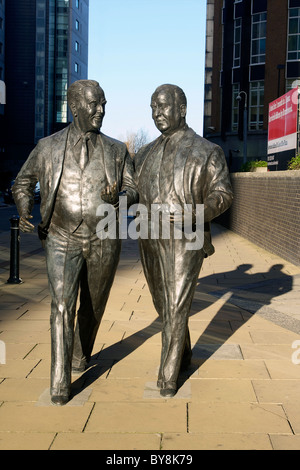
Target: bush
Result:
[[294, 163], [248, 166]]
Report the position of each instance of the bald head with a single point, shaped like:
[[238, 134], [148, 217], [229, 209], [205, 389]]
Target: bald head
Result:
[[173, 90], [168, 105]]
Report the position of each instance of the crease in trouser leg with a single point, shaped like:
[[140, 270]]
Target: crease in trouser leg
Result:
[[61, 350]]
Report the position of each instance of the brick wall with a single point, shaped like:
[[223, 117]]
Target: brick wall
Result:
[[266, 211]]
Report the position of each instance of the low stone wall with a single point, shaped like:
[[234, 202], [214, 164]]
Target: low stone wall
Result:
[[266, 211]]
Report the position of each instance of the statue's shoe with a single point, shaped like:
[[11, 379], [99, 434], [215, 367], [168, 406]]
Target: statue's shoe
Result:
[[79, 368], [168, 392], [60, 400]]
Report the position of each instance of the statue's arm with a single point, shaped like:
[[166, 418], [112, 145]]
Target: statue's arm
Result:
[[219, 195], [125, 186], [128, 180], [23, 189]]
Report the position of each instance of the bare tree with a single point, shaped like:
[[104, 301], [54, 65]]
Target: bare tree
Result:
[[136, 140]]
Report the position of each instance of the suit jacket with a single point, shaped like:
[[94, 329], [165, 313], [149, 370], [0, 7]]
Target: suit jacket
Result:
[[45, 164], [200, 176]]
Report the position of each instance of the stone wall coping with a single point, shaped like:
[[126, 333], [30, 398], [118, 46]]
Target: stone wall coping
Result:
[[267, 174]]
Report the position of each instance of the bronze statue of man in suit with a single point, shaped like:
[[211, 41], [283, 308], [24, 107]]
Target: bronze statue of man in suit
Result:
[[180, 168], [78, 168]]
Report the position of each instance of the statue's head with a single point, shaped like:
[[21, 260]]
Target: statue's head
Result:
[[87, 101], [168, 105]]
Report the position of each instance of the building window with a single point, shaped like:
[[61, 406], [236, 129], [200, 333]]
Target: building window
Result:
[[76, 67], [77, 4], [294, 34], [77, 25], [237, 42], [256, 105], [292, 83], [61, 99], [258, 39], [235, 107], [76, 46]]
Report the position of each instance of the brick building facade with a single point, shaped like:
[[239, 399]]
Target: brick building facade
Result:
[[252, 51]]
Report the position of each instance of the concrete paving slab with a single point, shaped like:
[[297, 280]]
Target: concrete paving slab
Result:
[[117, 390], [78, 397], [222, 390], [282, 369], [27, 417], [152, 391], [17, 368], [149, 417], [100, 441], [219, 352], [26, 441], [238, 417], [240, 391], [285, 442], [239, 369], [22, 389], [215, 441], [277, 391], [292, 410]]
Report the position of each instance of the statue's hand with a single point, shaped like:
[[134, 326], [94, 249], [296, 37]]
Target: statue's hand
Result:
[[25, 225], [110, 194]]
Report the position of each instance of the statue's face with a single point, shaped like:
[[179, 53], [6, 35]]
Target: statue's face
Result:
[[91, 109], [167, 114]]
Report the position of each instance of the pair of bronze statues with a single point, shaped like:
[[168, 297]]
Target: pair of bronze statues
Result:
[[80, 168]]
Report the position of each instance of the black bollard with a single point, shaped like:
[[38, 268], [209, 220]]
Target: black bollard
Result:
[[14, 251]]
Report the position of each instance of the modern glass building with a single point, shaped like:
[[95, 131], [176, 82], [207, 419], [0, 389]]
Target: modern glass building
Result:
[[252, 52], [61, 58], [46, 49]]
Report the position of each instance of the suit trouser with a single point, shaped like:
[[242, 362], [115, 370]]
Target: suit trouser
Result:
[[73, 261], [172, 272]]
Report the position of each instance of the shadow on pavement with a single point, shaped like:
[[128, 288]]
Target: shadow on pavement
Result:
[[240, 283]]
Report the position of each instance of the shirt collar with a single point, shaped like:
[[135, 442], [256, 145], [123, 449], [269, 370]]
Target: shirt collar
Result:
[[75, 136], [176, 136]]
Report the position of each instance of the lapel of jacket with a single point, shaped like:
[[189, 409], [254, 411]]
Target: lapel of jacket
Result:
[[58, 149], [109, 158], [58, 154], [142, 155], [181, 156]]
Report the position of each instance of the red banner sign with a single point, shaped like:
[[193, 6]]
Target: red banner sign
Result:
[[283, 116]]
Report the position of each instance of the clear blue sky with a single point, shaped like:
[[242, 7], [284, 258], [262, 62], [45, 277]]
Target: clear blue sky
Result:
[[137, 45]]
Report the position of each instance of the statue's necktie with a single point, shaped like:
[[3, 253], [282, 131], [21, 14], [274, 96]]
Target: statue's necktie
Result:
[[84, 157]]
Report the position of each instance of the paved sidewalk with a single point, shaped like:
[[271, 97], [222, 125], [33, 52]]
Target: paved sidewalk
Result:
[[241, 391]]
